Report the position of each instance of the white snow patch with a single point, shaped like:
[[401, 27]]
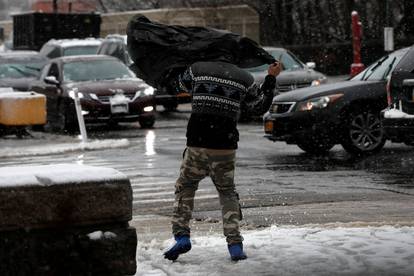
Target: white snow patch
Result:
[[385, 250], [62, 148], [19, 95], [97, 235], [56, 174], [397, 114]]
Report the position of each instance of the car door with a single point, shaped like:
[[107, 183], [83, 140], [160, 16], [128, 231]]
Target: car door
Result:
[[403, 71], [51, 91]]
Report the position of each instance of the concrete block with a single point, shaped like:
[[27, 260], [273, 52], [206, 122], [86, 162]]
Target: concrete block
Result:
[[64, 195]]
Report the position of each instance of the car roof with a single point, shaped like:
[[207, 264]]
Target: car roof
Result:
[[75, 42], [272, 48], [117, 37], [21, 55], [65, 59]]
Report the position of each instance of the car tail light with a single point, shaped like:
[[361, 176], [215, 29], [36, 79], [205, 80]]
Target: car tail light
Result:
[[388, 88]]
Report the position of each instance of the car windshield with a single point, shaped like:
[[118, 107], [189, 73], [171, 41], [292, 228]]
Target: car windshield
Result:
[[18, 70], [290, 62], [80, 50], [91, 70], [380, 69]]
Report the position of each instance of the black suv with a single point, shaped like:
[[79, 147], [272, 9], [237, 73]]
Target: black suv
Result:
[[347, 113], [398, 118]]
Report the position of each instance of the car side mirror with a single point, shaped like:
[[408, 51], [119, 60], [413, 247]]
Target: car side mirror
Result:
[[51, 80], [311, 65]]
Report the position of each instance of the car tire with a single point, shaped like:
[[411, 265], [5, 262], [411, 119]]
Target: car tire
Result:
[[364, 133], [315, 146], [147, 122], [64, 123]]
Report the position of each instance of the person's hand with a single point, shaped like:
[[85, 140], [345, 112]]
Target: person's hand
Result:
[[275, 68]]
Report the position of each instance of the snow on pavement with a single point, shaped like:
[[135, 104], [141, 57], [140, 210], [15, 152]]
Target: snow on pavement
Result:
[[289, 250], [56, 148]]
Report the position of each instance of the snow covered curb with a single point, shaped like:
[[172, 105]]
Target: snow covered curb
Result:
[[397, 114], [47, 149], [48, 175], [385, 250]]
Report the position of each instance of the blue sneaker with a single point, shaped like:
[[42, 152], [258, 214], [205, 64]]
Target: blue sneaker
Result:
[[236, 251], [182, 245]]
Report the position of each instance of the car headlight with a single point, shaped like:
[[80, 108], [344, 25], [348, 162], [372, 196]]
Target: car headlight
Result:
[[72, 94], [318, 103], [148, 108], [149, 91], [318, 81]]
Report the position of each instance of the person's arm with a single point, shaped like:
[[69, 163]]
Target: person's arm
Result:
[[258, 99], [185, 81]]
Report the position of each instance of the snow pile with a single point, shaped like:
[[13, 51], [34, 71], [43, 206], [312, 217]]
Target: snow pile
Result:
[[97, 235], [56, 174], [62, 148], [385, 250], [397, 114]]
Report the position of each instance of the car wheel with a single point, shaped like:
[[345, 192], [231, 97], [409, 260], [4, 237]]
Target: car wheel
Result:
[[315, 146], [64, 123], [363, 133], [147, 122]]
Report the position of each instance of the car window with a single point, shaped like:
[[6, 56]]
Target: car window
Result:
[[80, 50], [54, 71], [17, 70], [380, 69], [90, 70], [290, 62], [50, 51]]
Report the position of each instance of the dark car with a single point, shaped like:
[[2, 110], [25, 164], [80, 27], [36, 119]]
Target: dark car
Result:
[[55, 48], [346, 113], [109, 92], [295, 75], [18, 69], [398, 118], [116, 45]]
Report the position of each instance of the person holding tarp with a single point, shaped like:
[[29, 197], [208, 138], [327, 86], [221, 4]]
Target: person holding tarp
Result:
[[207, 63]]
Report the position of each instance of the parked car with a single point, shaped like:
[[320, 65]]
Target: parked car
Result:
[[116, 45], [109, 92], [347, 113], [398, 117], [295, 75], [18, 69], [55, 48]]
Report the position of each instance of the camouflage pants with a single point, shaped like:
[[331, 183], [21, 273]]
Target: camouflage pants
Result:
[[219, 165]]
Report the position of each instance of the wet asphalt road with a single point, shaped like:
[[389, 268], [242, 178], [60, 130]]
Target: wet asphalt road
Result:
[[277, 183]]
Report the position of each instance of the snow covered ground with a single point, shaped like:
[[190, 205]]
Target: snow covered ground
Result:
[[285, 250]]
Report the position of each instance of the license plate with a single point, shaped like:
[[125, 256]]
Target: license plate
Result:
[[119, 104]]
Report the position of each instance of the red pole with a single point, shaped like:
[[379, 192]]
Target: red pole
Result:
[[357, 65]]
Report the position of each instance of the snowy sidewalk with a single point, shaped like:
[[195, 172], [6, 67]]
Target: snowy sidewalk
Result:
[[307, 250]]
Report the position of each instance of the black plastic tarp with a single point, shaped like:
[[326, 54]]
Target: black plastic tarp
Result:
[[161, 51]]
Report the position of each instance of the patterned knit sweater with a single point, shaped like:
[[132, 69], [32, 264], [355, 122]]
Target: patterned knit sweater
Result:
[[219, 91]]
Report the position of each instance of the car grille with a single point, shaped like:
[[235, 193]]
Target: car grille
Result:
[[408, 100], [105, 98], [284, 87], [280, 108]]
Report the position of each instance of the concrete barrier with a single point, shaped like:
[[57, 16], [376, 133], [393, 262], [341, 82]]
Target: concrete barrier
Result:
[[66, 220]]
